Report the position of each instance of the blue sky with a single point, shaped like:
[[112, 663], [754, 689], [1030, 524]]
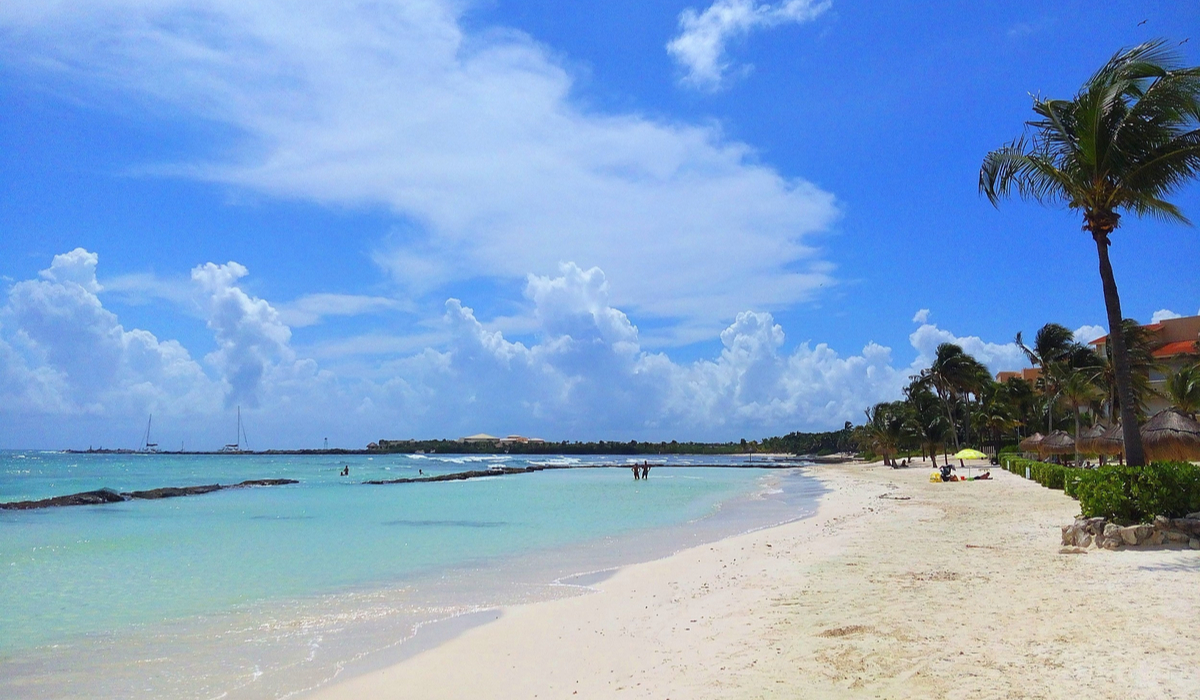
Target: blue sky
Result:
[[687, 220]]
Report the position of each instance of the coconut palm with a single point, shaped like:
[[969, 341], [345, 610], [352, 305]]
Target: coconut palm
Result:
[[1139, 345], [1052, 343], [1021, 396], [925, 420], [952, 374], [996, 414], [885, 428], [1079, 390], [1127, 140], [1182, 389], [1053, 348]]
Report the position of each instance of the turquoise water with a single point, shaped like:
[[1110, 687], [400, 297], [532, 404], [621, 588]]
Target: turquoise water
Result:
[[184, 574]]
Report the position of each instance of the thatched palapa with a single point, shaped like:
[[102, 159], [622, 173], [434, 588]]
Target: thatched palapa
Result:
[[1170, 435], [1087, 438], [1057, 443], [1030, 444], [1111, 442]]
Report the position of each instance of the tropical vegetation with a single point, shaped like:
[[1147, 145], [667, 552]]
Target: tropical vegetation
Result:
[[956, 402], [1125, 142]]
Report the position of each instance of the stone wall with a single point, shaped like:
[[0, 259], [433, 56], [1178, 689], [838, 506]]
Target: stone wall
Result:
[[1098, 532]]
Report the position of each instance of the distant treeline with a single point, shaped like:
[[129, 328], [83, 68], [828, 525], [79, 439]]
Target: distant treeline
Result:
[[844, 440], [795, 443]]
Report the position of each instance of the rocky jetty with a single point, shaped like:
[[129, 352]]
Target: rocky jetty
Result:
[[1101, 533], [91, 498], [474, 474]]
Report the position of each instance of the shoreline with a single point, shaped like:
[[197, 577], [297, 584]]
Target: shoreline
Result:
[[312, 636], [894, 587]]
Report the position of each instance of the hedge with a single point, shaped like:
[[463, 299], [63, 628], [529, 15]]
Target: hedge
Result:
[[1130, 495], [1052, 476], [1120, 493]]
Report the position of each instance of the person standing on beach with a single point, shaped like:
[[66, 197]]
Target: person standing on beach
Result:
[[645, 470], [636, 474]]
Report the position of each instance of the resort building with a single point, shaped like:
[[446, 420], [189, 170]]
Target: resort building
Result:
[[480, 437], [520, 439], [1029, 374], [1176, 345]]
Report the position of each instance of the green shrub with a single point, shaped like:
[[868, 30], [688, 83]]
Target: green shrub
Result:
[[1052, 476], [1136, 494]]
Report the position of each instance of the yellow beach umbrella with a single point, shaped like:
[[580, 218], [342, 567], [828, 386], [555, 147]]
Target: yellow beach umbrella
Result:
[[969, 454]]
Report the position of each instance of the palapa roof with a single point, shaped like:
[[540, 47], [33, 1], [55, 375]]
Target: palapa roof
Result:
[[1030, 443], [1057, 443], [1170, 435], [1110, 442], [1088, 436]]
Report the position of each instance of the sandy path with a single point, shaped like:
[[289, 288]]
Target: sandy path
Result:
[[897, 588]]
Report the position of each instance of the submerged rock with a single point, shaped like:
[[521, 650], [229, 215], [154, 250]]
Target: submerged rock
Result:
[[85, 498], [101, 496], [173, 492]]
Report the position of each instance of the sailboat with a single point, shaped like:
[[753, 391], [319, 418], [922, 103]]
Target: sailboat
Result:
[[148, 446], [241, 436]]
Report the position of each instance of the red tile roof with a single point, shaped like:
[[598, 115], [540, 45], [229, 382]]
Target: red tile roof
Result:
[[1182, 347]]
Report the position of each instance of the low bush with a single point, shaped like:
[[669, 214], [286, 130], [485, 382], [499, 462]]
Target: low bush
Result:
[[1130, 495], [1052, 476]]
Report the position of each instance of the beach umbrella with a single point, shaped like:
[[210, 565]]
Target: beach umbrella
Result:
[[969, 453], [1057, 443], [1030, 444], [1170, 435], [1087, 439]]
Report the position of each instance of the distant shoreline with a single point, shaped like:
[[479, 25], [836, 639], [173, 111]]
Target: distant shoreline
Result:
[[750, 457]]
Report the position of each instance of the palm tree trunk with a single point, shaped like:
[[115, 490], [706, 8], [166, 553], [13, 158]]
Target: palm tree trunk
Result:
[[1134, 456], [1077, 436], [953, 427]]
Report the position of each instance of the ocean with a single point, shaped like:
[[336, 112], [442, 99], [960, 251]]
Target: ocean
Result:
[[269, 592]]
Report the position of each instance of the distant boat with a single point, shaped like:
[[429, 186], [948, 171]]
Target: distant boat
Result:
[[241, 436], [148, 446]]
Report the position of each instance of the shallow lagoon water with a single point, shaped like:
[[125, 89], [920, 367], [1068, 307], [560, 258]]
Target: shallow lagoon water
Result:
[[265, 592]]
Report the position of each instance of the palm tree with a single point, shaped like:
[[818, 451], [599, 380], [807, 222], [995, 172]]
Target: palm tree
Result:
[[1052, 343], [1078, 390], [925, 419], [1021, 396], [885, 428], [952, 374], [1126, 141], [1139, 345], [1183, 390], [1053, 347], [996, 414]]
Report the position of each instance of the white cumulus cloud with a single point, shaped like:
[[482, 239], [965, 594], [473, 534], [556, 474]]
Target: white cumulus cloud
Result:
[[1163, 315], [999, 357], [921, 316], [66, 354], [1086, 334], [474, 138], [583, 372], [703, 37], [250, 337]]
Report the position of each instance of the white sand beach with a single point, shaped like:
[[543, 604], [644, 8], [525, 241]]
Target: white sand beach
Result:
[[897, 588]]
